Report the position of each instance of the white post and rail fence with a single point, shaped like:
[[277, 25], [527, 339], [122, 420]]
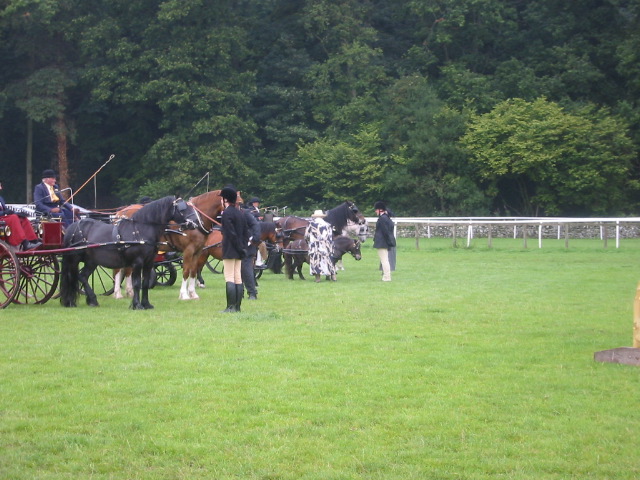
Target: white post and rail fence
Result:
[[527, 228]]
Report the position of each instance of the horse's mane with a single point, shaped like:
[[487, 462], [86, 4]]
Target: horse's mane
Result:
[[154, 212], [338, 216]]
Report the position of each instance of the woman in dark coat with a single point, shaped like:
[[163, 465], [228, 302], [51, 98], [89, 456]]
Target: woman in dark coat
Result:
[[384, 239], [235, 239]]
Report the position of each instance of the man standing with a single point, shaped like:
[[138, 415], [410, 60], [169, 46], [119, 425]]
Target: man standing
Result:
[[383, 240], [248, 275], [49, 201]]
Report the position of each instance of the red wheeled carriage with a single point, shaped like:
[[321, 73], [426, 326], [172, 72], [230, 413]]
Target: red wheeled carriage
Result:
[[31, 276]]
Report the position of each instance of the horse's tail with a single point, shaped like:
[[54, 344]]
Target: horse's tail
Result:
[[69, 286]]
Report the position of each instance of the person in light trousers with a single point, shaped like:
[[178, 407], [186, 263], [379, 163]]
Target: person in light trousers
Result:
[[384, 239]]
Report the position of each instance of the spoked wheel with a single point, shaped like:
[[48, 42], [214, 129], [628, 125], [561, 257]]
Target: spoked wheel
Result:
[[101, 281], [166, 274], [39, 276], [9, 275], [215, 266]]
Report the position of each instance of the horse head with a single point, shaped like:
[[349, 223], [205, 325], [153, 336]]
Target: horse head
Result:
[[184, 215], [354, 214], [355, 250]]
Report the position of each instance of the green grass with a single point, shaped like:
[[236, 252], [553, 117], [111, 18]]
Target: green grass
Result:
[[473, 363]]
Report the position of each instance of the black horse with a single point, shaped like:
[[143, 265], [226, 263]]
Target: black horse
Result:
[[130, 243], [299, 252], [293, 228]]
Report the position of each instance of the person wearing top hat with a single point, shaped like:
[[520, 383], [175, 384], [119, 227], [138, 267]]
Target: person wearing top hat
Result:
[[319, 237], [254, 207], [235, 239], [49, 200], [384, 239], [22, 235]]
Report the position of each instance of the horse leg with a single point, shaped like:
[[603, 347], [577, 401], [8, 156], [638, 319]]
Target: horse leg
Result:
[[288, 265], [83, 278], [117, 283], [147, 274], [189, 272], [128, 283], [69, 290]]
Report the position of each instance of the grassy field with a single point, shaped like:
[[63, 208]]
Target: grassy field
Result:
[[474, 363]]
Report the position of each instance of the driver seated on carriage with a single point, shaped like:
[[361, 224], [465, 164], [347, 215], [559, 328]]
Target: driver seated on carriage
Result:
[[49, 200], [21, 234]]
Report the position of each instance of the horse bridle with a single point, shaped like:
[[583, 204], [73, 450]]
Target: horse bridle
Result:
[[181, 206]]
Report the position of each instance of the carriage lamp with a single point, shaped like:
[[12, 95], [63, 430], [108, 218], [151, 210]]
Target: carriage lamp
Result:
[[5, 231]]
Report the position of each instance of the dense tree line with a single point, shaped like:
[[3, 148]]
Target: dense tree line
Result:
[[440, 107]]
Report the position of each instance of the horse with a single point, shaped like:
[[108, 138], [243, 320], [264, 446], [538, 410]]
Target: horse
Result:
[[130, 243], [299, 252], [269, 234], [293, 228], [354, 230], [190, 243]]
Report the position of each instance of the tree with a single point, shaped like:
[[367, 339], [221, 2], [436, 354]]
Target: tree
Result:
[[430, 174], [536, 158]]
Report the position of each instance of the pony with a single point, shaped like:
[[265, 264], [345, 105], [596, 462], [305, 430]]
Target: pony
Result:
[[293, 228], [130, 243], [299, 252]]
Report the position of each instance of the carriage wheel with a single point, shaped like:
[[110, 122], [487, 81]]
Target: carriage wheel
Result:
[[215, 266], [9, 275], [101, 281], [39, 276], [166, 274]]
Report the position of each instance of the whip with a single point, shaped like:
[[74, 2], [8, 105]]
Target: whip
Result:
[[89, 179]]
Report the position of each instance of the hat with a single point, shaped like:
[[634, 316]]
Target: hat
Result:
[[254, 200], [379, 206], [144, 200], [229, 194], [318, 214], [48, 173]]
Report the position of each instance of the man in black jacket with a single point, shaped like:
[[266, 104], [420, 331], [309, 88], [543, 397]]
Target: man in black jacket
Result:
[[384, 239]]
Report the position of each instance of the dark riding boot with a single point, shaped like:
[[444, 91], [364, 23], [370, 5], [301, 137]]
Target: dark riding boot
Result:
[[239, 295], [231, 298]]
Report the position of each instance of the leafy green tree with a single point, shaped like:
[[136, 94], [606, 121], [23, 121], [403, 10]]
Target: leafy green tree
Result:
[[538, 159], [43, 71], [430, 175], [184, 61]]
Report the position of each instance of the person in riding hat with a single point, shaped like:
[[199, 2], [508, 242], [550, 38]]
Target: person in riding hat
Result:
[[319, 237], [49, 201], [235, 239], [254, 207], [384, 239], [22, 235]]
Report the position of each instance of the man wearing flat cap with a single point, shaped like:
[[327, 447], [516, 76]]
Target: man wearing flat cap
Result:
[[49, 200]]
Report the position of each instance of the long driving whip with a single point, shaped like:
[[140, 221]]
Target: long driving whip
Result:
[[89, 179]]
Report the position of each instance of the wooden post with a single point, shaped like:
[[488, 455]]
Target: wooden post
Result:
[[524, 235], [489, 236], [604, 235], [636, 319], [417, 230], [454, 234], [566, 235]]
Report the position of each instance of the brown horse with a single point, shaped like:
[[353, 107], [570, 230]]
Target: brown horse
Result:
[[190, 243]]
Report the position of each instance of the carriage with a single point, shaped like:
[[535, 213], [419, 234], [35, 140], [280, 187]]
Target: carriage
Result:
[[33, 276]]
